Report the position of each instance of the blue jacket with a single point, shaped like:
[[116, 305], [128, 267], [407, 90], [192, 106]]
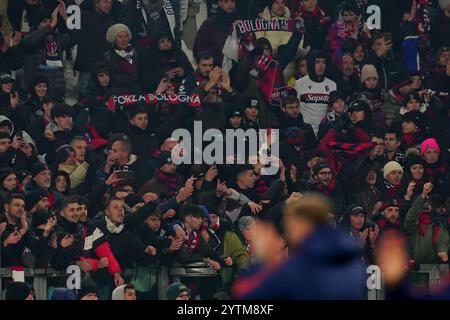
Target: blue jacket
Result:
[[327, 266]]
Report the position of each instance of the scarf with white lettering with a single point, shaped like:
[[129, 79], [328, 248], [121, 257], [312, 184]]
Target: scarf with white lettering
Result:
[[240, 40]]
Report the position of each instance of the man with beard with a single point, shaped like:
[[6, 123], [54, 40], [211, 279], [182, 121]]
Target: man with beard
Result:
[[69, 237], [14, 236], [325, 182], [389, 219], [427, 237], [41, 182], [298, 136], [195, 248], [348, 80]]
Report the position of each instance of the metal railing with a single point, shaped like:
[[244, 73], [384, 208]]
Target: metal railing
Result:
[[164, 275], [434, 273]]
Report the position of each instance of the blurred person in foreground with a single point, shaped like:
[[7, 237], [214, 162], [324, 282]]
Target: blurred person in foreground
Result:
[[395, 263], [324, 263]]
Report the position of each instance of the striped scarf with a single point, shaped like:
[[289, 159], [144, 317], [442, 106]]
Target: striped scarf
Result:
[[260, 186], [193, 241], [348, 151], [425, 219], [169, 180]]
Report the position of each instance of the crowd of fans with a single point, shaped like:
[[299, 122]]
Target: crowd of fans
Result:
[[365, 121]]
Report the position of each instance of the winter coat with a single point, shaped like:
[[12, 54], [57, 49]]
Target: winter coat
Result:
[[35, 45], [212, 34], [12, 253], [124, 75], [157, 186], [331, 267], [10, 60], [156, 63], [439, 31], [65, 257], [424, 248], [32, 109], [91, 39]]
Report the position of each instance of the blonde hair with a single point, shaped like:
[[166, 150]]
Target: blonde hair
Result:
[[312, 206]]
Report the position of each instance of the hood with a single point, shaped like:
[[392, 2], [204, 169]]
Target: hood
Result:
[[4, 118], [423, 108], [119, 293], [27, 138], [331, 246], [266, 13], [53, 127], [311, 65]]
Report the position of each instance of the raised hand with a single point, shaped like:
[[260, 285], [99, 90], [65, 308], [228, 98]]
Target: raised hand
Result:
[[67, 241], [211, 174]]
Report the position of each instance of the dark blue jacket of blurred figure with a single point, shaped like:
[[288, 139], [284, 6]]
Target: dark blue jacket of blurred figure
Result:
[[327, 266]]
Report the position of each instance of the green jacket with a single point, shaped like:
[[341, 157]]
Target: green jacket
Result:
[[423, 249], [233, 248]]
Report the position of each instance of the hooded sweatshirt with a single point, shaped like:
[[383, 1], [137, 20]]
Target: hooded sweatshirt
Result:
[[313, 93]]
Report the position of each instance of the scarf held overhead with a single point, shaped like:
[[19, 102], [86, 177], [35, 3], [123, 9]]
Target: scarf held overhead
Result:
[[240, 40]]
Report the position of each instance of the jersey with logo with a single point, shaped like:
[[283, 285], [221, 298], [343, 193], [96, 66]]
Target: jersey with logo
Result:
[[314, 98]]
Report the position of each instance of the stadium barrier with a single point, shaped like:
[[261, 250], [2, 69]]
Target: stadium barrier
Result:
[[41, 276], [428, 275]]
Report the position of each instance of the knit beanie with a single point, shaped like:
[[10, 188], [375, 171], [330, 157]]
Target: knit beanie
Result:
[[175, 289], [429, 144], [87, 288], [37, 168], [40, 79], [114, 30], [391, 166], [413, 160], [320, 166], [367, 71], [33, 197], [412, 95], [415, 117]]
